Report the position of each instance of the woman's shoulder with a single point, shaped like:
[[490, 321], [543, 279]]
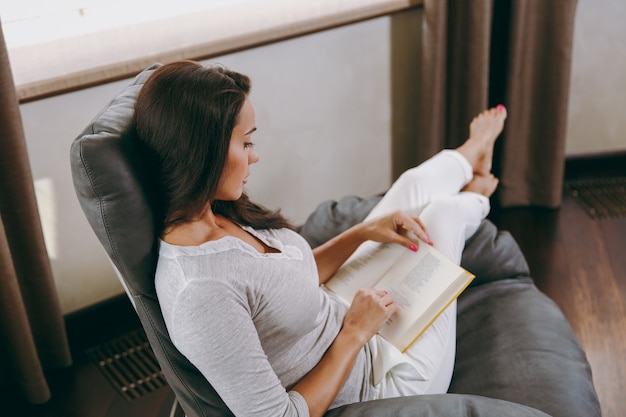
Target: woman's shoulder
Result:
[[179, 266], [184, 272]]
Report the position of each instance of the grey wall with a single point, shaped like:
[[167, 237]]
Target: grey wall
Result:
[[324, 121]]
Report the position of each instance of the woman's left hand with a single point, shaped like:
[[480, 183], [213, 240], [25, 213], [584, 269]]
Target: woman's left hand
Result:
[[391, 228], [394, 228]]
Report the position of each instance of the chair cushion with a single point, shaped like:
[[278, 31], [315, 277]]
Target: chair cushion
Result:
[[493, 254], [114, 185], [333, 217], [111, 182], [515, 344], [442, 405]]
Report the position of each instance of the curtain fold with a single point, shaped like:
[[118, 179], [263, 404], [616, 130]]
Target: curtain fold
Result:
[[31, 322], [480, 53]]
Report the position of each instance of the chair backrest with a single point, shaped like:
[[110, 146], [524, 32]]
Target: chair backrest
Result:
[[115, 188]]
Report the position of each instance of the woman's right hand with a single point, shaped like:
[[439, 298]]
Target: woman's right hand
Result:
[[368, 313]]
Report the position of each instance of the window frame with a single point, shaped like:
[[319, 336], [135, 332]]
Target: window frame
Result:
[[261, 23]]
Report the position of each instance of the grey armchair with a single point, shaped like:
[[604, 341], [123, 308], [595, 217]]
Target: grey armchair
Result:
[[516, 353]]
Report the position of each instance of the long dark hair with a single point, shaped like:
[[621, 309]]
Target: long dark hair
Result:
[[185, 114]]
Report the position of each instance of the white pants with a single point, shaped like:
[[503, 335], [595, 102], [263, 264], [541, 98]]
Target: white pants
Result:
[[433, 191]]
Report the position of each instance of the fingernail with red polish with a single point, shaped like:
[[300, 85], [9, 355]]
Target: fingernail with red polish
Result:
[[413, 248], [500, 107]]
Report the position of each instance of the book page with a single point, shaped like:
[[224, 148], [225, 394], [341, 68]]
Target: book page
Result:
[[364, 268], [422, 283], [422, 290]]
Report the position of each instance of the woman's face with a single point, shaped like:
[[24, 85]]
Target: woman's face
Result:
[[241, 155]]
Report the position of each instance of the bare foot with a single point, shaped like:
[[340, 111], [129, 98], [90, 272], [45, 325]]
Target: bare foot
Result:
[[482, 184], [484, 130]]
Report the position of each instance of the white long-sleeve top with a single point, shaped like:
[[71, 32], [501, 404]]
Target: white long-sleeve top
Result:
[[254, 324]]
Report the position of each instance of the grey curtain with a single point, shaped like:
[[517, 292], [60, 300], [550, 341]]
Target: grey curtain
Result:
[[480, 53], [32, 326]]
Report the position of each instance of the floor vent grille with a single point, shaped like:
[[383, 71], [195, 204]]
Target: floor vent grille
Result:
[[129, 364], [600, 198]]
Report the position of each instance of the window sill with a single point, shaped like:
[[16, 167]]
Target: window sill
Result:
[[63, 65]]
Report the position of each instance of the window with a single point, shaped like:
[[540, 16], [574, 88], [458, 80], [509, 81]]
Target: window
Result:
[[65, 45]]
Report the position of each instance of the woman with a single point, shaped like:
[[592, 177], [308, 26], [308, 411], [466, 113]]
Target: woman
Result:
[[241, 291]]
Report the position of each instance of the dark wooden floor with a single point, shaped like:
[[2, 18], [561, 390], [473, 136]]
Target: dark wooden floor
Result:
[[578, 261]]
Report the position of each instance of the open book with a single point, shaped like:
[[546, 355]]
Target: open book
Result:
[[423, 284]]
